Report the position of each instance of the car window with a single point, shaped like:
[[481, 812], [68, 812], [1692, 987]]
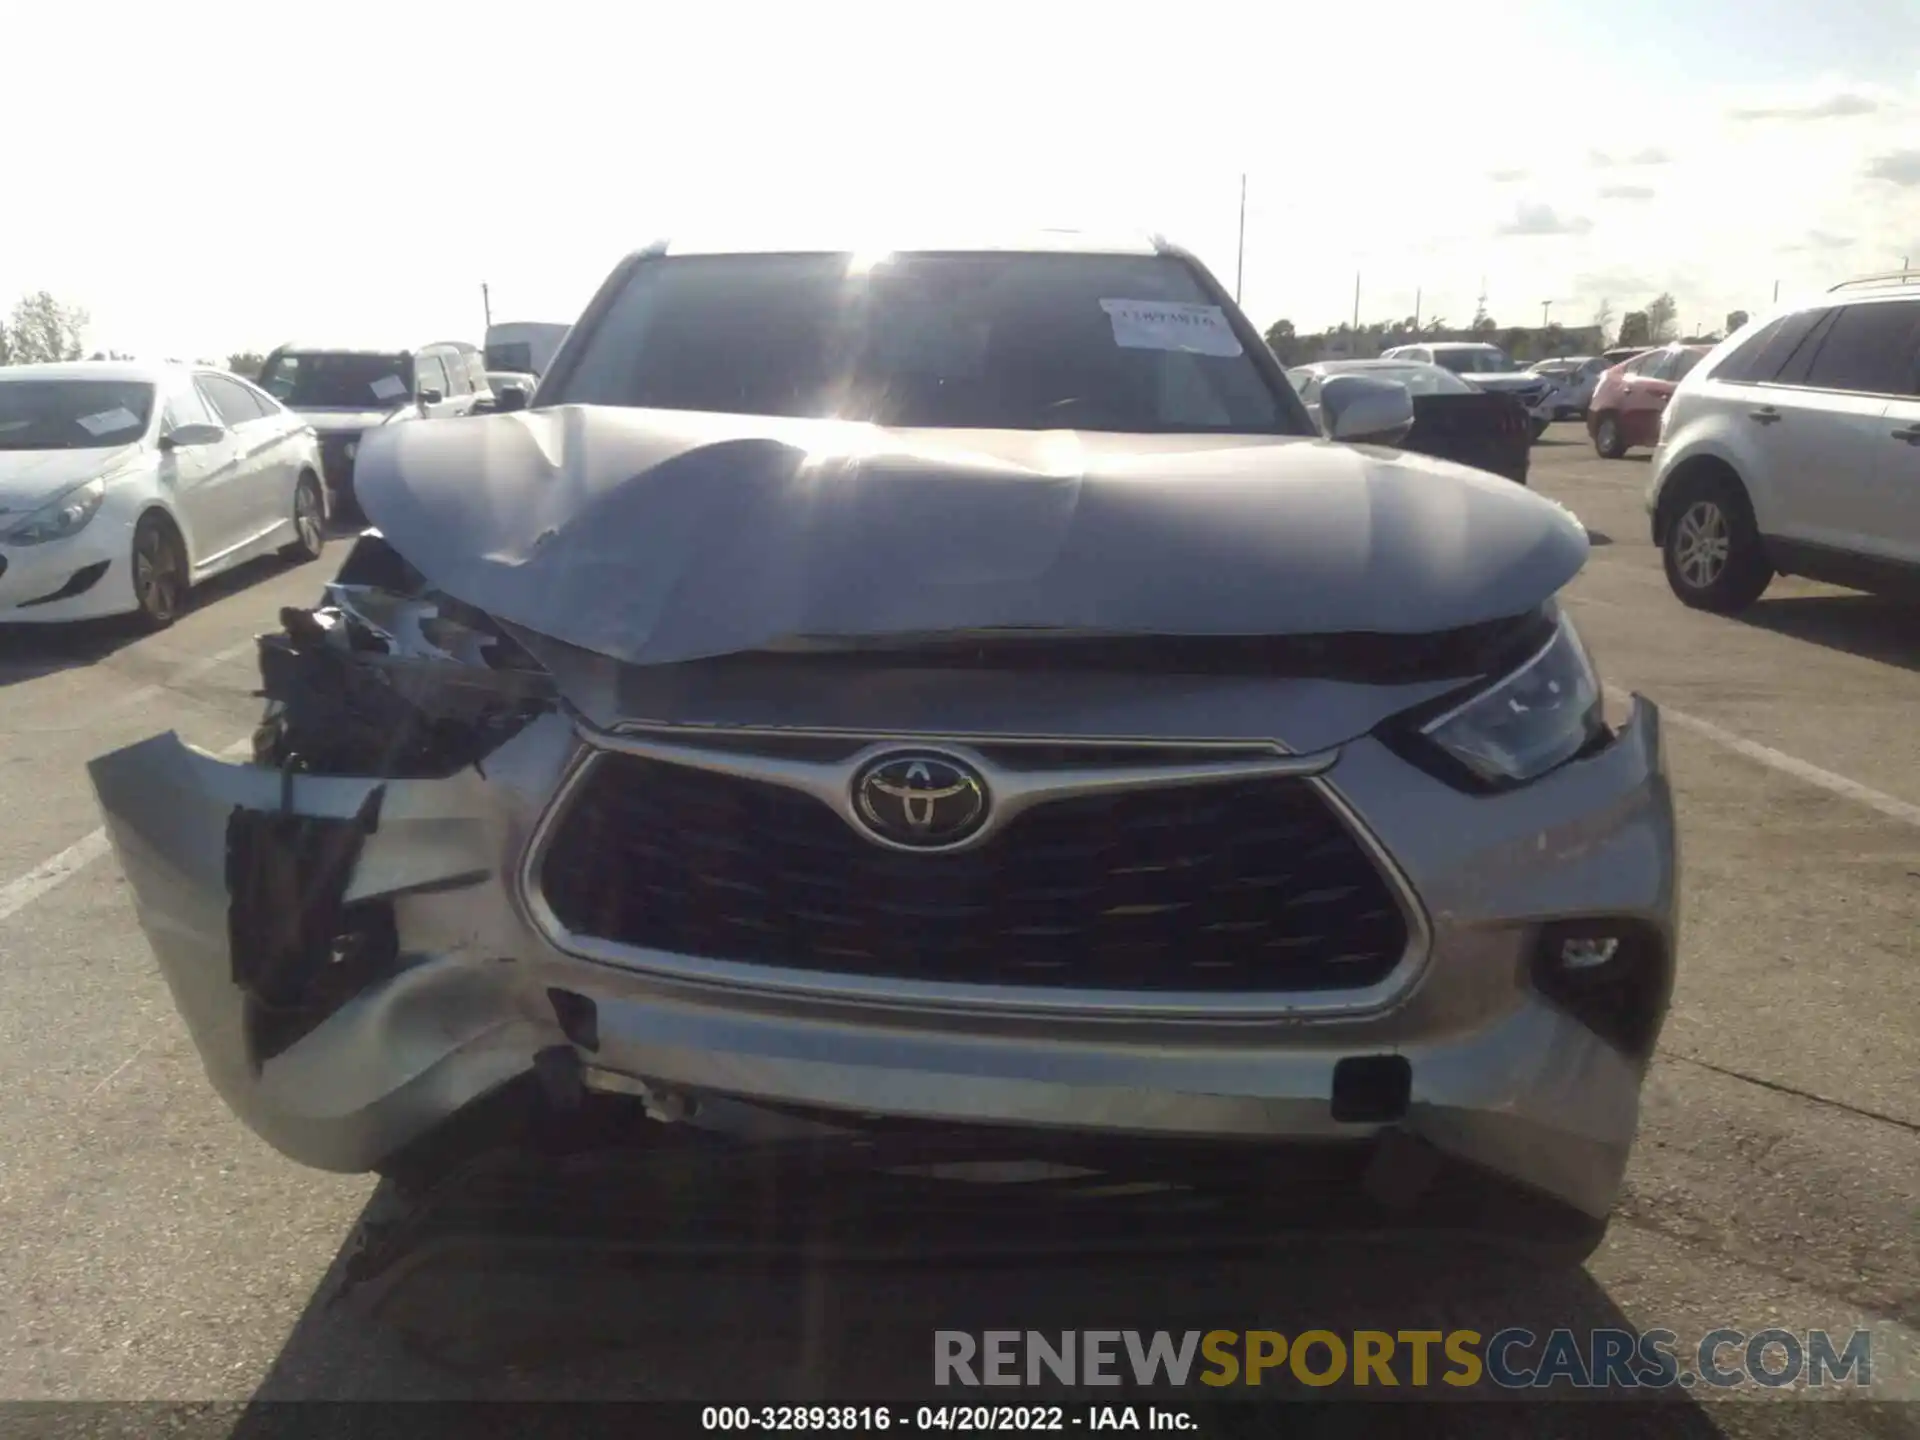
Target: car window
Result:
[[1657, 366], [1761, 357], [1683, 363], [967, 341], [47, 414], [429, 374], [1306, 383], [459, 382], [338, 379], [186, 406], [1870, 350], [1641, 364], [230, 399], [268, 405], [477, 373]]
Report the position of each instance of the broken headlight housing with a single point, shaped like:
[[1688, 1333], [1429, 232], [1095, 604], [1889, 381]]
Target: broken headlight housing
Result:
[[389, 678], [1533, 720]]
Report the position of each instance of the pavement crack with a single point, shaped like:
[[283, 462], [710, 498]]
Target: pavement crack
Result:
[[1784, 1089]]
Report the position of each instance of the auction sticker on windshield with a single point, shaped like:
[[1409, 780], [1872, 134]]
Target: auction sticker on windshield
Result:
[[388, 386], [108, 421], [1169, 325]]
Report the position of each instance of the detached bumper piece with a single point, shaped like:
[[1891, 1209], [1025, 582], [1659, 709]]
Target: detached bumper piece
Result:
[[299, 951]]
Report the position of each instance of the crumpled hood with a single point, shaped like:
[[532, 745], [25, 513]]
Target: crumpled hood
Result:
[[659, 536], [346, 422], [30, 478]]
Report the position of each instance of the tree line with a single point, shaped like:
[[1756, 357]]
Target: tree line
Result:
[[42, 330], [1656, 323]]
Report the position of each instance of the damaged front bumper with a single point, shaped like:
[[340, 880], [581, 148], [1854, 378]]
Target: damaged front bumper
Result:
[[359, 962]]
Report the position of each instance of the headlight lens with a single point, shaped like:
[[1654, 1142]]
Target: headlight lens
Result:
[[60, 518], [1540, 716]]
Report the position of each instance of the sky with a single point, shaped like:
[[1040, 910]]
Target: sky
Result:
[[206, 177]]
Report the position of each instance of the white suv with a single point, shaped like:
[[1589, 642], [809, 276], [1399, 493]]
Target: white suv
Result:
[[1794, 449]]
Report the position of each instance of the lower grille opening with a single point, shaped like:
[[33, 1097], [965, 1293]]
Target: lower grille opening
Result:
[[78, 583], [1238, 887]]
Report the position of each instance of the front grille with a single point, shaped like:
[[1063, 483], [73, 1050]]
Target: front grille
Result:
[[1239, 886]]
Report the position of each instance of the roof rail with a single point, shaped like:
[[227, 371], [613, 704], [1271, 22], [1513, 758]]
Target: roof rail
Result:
[[1885, 277]]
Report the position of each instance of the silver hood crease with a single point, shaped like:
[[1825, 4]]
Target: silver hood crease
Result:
[[655, 537]]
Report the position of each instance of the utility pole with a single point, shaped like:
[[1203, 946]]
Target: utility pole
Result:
[[1776, 292], [486, 303], [1416, 312], [1240, 261], [1356, 302], [1545, 306]]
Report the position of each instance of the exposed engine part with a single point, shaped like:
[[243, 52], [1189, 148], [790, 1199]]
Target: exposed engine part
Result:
[[398, 684]]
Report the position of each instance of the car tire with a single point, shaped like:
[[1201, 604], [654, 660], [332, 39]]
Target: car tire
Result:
[[1608, 442], [161, 579], [309, 521], [1712, 551]]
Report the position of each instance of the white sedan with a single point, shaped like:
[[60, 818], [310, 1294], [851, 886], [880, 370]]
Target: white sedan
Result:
[[122, 486]]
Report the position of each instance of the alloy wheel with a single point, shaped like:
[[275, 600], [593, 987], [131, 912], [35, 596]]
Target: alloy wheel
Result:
[[1702, 540], [156, 574]]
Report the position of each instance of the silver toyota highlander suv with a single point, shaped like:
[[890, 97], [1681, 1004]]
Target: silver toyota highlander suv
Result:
[[942, 702]]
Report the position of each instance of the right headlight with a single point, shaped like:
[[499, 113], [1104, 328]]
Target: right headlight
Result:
[[61, 517], [1537, 718]]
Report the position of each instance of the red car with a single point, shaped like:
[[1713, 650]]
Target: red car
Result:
[[1626, 405]]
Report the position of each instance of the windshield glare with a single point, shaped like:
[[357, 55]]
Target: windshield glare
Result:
[[73, 414], [323, 380], [995, 341]]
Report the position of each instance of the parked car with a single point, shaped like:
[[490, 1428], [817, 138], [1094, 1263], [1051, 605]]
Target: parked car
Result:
[[1794, 449], [1630, 398], [1620, 354], [124, 485], [345, 391], [1451, 419], [1486, 367], [1576, 376], [946, 703]]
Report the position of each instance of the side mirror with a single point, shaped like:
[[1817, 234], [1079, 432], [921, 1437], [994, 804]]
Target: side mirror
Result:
[[1362, 410], [431, 397], [182, 436], [509, 398]]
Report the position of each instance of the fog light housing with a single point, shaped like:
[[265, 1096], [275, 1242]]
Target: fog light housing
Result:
[[1615, 976]]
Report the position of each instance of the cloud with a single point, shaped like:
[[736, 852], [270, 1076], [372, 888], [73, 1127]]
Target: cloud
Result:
[[1652, 155], [1821, 240], [1615, 283], [1544, 220], [1902, 167], [1506, 177], [1627, 192], [1834, 107]]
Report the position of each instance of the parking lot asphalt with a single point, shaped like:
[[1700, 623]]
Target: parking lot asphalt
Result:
[[158, 1251]]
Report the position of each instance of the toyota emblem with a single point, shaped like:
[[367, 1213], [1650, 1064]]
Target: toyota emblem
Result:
[[920, 799]]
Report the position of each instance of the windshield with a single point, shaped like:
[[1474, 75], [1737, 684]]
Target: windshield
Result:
[[513, 355], [1478, 360], [979, 341], [321, 379], [73, 414]]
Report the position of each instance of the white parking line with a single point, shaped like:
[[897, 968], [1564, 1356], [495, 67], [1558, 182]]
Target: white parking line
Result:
[[54, 872], [1888, 805], [185, 675]]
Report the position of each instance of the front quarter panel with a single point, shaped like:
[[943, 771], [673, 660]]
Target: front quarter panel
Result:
[[1711, 422]]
